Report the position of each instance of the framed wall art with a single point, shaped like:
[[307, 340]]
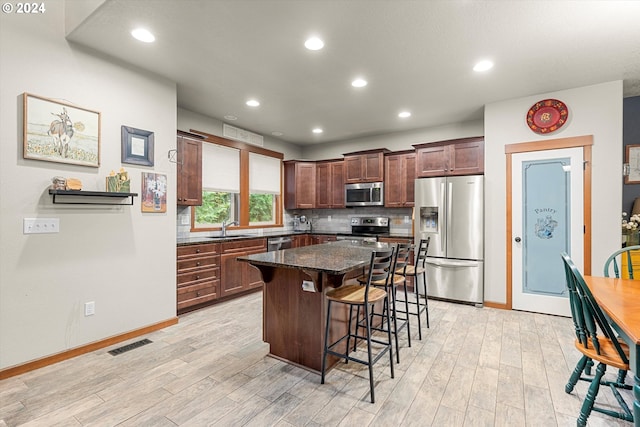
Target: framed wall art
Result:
[[154, 192], [56, 131], [137, 146], [632, 158]]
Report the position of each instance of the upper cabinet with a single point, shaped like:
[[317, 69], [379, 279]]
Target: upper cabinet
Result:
[[364, 166], [330, 184], [463, 156], [399, 179], [189, 170], [299, 184]]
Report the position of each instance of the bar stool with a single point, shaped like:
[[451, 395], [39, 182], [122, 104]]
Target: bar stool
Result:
[[362, 296], [415, 271], [400, 261]]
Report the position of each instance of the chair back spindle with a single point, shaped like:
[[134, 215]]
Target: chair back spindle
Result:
[[612, 261]]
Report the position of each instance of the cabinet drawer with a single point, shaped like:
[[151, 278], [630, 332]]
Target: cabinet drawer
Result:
[[187, 265], [256, 245], [204, 249], [197, 294], [199, 275]]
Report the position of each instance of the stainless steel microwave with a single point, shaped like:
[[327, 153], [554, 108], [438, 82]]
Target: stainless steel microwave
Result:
[[365, 194]]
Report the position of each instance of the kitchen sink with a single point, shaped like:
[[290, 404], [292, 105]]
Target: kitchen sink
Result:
[[231, 236]]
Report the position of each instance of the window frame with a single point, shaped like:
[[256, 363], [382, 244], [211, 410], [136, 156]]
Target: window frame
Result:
[[245, 149]]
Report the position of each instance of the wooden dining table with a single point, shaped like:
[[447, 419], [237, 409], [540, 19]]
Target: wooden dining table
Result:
[[620, 300]]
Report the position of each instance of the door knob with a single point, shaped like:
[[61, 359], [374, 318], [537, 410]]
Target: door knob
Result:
[[518, 239]]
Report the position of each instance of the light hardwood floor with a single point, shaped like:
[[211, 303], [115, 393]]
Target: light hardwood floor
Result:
[[473, 367]]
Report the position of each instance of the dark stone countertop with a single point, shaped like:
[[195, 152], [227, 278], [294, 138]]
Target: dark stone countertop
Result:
[[195, 240], [332, 258]]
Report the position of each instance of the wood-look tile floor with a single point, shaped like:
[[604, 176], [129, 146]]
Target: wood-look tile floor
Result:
[[473, 367]]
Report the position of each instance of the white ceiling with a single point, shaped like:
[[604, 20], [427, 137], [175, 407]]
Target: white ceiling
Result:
[[416, 55]]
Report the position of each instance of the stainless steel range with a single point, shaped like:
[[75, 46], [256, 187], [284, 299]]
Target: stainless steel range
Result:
[[367, 228]]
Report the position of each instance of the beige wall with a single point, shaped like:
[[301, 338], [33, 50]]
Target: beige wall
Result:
[[593, 110], [116, 256]]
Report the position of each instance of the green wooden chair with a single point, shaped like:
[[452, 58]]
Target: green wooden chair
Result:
[[612, 261], [596, 341]]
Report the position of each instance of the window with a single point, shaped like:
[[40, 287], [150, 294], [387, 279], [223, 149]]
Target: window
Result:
[[220, 186], [264, 189], [239, 183]]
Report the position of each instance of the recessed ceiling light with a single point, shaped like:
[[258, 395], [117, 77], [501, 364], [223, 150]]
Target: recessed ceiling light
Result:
[[230, 117], [253, 103], [317, 130], [277, 133], [143, 35], [483, 65], [314, 43], [404, 114], [359, 83]]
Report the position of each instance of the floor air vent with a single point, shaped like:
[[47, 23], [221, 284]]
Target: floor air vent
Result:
[[128, 347]]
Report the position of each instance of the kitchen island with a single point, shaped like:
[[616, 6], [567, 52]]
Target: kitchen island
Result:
[[294, 303]]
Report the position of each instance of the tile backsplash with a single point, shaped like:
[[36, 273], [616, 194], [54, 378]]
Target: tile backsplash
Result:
[[321, 220]]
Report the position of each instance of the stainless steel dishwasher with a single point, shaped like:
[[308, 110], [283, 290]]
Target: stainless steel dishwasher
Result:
[[278, 243]]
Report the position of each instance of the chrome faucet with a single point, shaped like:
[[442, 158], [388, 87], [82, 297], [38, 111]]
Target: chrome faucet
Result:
[[225, 225]]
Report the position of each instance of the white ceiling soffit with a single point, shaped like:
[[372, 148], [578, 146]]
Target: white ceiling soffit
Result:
[[416, 55]]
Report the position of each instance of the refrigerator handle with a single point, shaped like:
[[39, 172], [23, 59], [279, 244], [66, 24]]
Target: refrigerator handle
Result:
[[445, 225], [449, 204]]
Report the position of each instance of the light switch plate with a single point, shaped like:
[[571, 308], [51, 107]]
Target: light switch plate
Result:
[[40, 225]]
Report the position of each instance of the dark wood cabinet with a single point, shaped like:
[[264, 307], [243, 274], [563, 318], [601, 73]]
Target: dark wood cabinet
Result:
[[364, 166], [399, 179], [301, 240], [330, 184], [198, 275], [317, 239], [238, 276], [189, 171], [463, 156], [299, 184]]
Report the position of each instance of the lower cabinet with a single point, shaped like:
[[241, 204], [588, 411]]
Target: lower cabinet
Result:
[[198, 275], [301, 240], [209, 271], [238, 276], [317, 239]]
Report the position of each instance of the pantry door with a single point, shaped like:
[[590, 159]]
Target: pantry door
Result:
[[547, 218]]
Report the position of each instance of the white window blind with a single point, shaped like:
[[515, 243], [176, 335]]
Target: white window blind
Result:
[[264, 174], [220, 168]]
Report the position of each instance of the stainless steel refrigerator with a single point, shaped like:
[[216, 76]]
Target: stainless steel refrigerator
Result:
[[450, 210]]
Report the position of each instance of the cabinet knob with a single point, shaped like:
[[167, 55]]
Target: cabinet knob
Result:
[[197, 277], [197, 251], [197, 263], [198, 293]]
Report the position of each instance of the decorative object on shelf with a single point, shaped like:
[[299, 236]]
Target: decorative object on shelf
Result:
[[632, 165], [55, 131], [630, 229], [154, 192], [547, 116], [74, 184], [58, 183], [119, 182], [137, 146]]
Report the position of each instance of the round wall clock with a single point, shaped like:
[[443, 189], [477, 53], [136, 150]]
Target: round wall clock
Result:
[[547, 116]]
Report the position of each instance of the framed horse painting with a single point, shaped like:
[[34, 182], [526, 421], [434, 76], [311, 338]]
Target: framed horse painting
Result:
[[56, 131]]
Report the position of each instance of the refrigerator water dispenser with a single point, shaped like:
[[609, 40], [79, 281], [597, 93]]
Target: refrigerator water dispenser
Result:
[[429, 219]]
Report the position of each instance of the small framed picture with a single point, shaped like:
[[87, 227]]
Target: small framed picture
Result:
[[137, 146], [632, 158], [154, 192]]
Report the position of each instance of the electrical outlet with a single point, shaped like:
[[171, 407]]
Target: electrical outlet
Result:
[[406, 219], [40, 225], [185, 220], [89, 308], [328, 218]]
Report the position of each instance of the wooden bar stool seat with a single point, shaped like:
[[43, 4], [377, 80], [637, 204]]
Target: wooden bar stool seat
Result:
[[416, 271], [362, 297]]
